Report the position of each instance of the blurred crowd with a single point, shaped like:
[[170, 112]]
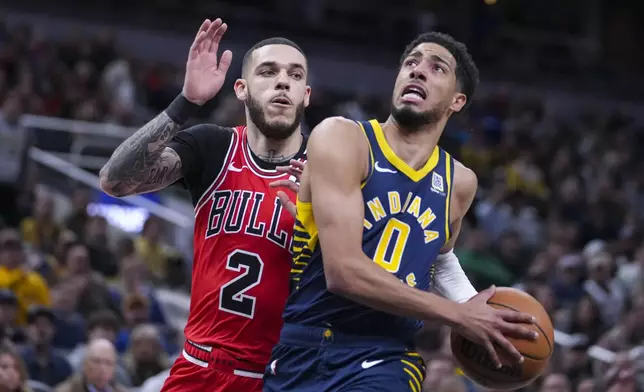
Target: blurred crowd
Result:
[[558, 214]]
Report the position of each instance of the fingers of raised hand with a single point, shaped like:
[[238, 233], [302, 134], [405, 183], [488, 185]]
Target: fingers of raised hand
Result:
[[214, 45], [210, 34], [195, 48]]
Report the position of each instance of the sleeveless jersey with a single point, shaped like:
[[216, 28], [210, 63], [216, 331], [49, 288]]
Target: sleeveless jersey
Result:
[[242, 237], [406, 224]]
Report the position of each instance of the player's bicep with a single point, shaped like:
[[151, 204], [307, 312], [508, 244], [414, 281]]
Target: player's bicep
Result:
[[334, 173]]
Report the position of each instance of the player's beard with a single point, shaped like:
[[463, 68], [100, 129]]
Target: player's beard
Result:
[[412, 121], [277, 131]]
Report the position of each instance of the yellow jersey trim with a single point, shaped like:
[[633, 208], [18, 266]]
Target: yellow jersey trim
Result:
[[307, 221], [448, 201], [371, 157], [413, 174]]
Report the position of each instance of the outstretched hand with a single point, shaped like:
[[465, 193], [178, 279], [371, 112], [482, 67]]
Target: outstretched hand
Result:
[[205, 74], [295, 169]]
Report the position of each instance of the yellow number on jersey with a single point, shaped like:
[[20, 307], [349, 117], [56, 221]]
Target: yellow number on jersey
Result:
[[402, 229]]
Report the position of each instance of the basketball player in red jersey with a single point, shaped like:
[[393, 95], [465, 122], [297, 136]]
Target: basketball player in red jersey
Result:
[[242, 234]]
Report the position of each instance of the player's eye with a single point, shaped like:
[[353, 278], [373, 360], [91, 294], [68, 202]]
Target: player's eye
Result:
[[267, 73], [410, 63], [297, 76], [438, 68]]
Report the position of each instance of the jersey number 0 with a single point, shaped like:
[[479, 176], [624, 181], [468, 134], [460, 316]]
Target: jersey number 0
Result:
[[232, 297], [391, 245]]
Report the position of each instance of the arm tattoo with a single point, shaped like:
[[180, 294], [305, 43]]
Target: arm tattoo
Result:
[[143, 163]]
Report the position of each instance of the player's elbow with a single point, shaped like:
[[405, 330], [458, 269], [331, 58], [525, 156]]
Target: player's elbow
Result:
[[106, 185], [337, 279]]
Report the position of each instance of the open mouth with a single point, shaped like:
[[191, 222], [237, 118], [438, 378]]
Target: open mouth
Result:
[[281, 100], [414, 92]]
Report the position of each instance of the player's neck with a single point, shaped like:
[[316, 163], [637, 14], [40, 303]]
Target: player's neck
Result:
[[416, 147], [273, 150]]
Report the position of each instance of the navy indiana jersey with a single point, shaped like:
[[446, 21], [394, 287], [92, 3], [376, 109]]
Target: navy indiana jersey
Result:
[[406, 224]]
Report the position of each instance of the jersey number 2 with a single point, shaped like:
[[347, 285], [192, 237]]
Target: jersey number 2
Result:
[[232, 297]]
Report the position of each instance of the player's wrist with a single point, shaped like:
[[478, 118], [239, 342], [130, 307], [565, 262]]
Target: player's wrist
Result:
[[181, 109]]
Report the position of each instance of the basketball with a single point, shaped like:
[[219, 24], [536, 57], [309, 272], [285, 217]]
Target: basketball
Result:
[[476, 363]]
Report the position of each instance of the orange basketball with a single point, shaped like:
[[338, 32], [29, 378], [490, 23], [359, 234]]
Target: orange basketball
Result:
[[476, 363]]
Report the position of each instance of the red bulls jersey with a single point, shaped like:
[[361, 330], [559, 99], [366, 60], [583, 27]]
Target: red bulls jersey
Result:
[[242, 237]]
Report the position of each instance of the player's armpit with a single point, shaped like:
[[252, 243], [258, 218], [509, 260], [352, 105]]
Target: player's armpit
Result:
[[337, 162], [464, 191]]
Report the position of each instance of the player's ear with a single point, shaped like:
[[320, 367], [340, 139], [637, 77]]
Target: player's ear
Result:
[[458, 102], [241, 90], [307, 96]]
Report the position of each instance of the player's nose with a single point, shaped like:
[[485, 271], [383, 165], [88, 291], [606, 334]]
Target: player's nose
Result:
[[418, 73], [283, 81]]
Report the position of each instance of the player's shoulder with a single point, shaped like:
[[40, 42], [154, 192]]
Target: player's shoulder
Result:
[[207, 130], [335, 131], [465, 180]]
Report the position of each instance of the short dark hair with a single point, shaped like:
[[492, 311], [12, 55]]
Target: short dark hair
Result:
[[467, 75], [104, 319], [266, 42]]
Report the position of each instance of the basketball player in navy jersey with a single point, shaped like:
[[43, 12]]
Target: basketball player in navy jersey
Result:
[[378, 212]]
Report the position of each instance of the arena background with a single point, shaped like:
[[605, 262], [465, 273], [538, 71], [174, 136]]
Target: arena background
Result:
[[554, 135]]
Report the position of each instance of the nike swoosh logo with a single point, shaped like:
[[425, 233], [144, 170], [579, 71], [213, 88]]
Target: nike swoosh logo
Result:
[[383, 170], [368, 364], [232, 167]]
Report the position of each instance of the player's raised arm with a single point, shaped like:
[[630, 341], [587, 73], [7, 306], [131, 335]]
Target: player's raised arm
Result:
[[337, 162], [143, 162]]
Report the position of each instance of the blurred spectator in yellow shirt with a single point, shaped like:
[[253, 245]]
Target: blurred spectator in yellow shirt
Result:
[[150, 249], [41, 231], [28, 286]]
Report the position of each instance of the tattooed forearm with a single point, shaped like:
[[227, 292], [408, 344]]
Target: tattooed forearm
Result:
[[143, 163]]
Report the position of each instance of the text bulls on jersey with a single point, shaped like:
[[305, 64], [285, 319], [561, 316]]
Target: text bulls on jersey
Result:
[[230, 208]]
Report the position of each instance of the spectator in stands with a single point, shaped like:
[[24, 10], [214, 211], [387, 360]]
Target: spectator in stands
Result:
[[90, 288], [13, 374], [103, 324], [43, 363], [136, 311], [41, 231], [607, 292], [153, 253], [98, 370], [78, 217], [69, 325], [98, 243], [155, 383], [556, 382], [146, 356], [135, 281], [14, 143], [10, 331], [587, 385], [29, 287]]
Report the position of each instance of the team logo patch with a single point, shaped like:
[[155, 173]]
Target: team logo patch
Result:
[[437, 183]]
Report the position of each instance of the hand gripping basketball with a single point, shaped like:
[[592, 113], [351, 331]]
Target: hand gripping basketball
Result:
[[204, 74], [489, 327]]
